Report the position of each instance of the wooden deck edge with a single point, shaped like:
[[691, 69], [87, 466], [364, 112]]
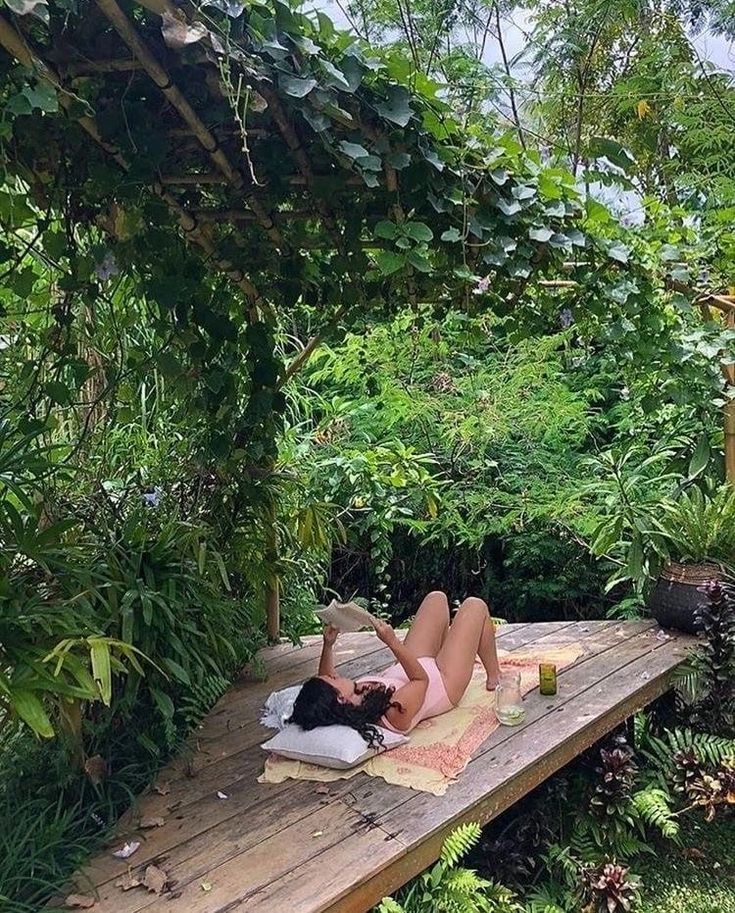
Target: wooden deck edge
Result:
[[421, 856]]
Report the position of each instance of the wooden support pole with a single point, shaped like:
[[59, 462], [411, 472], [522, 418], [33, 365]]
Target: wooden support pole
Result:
[[272, 587], [729, 412], [195, 179], [87, 67]]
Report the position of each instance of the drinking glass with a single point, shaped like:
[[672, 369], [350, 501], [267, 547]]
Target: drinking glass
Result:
[[508, 699]]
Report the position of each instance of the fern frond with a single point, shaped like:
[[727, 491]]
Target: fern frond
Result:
[[561, 860], [465, 881], [709, 749], [689, 681], [654, 807], [460, 842], [549, 898], [388, 905]]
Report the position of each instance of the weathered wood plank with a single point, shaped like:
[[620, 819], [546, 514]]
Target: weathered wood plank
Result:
[[627, 641], [190, 777]]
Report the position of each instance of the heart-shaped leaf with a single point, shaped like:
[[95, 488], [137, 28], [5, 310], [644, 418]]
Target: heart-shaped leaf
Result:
[[178, 33], [296, 86], [540, 234], [510, 208], [396, 107], [231, 8], [389, 262], [418, 231], [399, 160], [618, 252], [385, 229], [353, 150], [36, 8]]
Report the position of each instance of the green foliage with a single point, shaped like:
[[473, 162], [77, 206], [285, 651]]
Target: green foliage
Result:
[[446, 435], [700, 526], [447, 888], [653, 511]]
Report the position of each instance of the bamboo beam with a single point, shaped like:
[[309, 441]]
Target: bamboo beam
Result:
[[245, 215], [16, 46], [87, 67], [205, 178], [723, 303], [185, 132], [186, 180], [180, 103]]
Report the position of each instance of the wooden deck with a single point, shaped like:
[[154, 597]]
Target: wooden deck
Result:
[[287, 848]]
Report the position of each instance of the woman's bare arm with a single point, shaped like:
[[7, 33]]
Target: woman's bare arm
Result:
[[411, 666], [326, 660]]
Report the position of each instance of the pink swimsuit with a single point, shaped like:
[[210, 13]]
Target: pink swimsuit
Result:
[[436, 700]]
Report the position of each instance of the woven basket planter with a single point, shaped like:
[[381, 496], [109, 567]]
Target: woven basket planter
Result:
[[677, 595]]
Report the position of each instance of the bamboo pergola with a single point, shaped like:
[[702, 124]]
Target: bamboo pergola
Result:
[[294, 163], [280, 148]]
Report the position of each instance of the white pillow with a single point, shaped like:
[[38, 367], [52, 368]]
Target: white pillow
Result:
[[339, 747], [279, 707]]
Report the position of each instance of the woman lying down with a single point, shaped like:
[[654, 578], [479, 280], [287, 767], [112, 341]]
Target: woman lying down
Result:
[[433, 668]]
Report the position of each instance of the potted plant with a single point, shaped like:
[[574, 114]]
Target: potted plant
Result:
[[666, 534], [699, 531]]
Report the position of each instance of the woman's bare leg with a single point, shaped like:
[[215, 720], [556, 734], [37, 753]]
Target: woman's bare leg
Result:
[[472, 633], [429, 626], [488, 653]]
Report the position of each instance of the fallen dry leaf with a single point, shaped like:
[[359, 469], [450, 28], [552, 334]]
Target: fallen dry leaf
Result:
[[128, 882], [206, 887], [96, 769], [177, 33], [155, 879], [126, 851], [693, 853], [322, 790], [79, 902], [151, 821], [162, 788]]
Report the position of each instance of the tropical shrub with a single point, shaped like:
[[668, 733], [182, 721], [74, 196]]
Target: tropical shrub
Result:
[[449, 888], [448, 438]]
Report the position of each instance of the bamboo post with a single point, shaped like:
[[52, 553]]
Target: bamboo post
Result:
[[729, 412], [272, 587]]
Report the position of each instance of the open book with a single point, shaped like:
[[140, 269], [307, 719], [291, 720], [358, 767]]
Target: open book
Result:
[[347, 616]]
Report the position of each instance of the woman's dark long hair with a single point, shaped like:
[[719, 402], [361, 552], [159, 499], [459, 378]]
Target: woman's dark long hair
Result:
[[318, 704]]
